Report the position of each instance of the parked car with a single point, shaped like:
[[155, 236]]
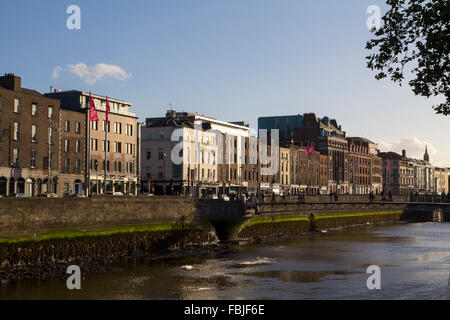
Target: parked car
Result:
[[21, 195], [117, 193], [51, 195], [225, 197]]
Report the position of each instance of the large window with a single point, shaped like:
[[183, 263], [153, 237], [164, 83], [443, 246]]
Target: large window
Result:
[[16, 135], [67, 126], [33, 133], [33, 159], [106, 126], [50, 112], [17, 105], [129, 148], [16, 157], [118, 147], [34, 109], [67, 165], [78, 166], [94, 144], [107, 146], [78, 127], [50, 135], [94, 125], [129, 130], [118, 127]]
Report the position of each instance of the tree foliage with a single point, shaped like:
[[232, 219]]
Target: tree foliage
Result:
[[415, 33]]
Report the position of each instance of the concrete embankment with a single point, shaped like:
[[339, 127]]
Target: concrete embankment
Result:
[[288, 226]]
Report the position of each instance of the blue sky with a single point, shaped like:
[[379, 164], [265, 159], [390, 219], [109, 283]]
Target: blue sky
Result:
[[230, 59]]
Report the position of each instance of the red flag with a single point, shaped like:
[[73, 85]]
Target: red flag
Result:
[[309, 150], [388, 166], [107, 111], [92, 110]]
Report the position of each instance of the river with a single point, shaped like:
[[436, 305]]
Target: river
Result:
[[414, 260]]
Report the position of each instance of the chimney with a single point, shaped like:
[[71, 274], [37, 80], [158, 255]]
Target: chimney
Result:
[[11, 81], [404, 154], [171, 114]]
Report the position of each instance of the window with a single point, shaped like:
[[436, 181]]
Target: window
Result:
[[33, 159], [129, 130], [16, 157], [34, 109], [78, 166], [33, 133], [16, 135], [94, 125], [160, 154], [94, 165], [107, 126], [94, 144], [148, 155], [66, 145], [78, 127], [67, 126], [118, 147], [67, 165], [78, 146], [107, 146], [129, 148], [50, 112], [50, 135], [17, 105], [118, 128]]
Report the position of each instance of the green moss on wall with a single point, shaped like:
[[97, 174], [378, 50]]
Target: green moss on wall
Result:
[[73, 233]]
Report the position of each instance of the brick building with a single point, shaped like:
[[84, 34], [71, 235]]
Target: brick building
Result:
[[120, 147], [328, 138], [28, 139], [72, 156], [398, 173]]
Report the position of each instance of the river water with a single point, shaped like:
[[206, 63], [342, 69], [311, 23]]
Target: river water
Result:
[[414, 260]]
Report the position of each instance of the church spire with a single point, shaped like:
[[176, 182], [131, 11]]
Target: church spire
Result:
[[426, 157]]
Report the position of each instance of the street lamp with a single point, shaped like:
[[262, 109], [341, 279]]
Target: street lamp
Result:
[[164, 173]]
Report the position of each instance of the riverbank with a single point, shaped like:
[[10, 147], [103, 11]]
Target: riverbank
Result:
[[291, 226], [47, 257]]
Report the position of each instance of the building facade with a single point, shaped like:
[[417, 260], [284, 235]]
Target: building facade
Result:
[[328, 138], [442, 180], [29, 139], [116, 141], [72, 147]]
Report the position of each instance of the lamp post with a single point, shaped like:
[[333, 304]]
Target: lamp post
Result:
[[164, 173]]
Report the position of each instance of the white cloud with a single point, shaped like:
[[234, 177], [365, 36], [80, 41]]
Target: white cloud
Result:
[[415, 148], [56, 72], [92, 74]]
